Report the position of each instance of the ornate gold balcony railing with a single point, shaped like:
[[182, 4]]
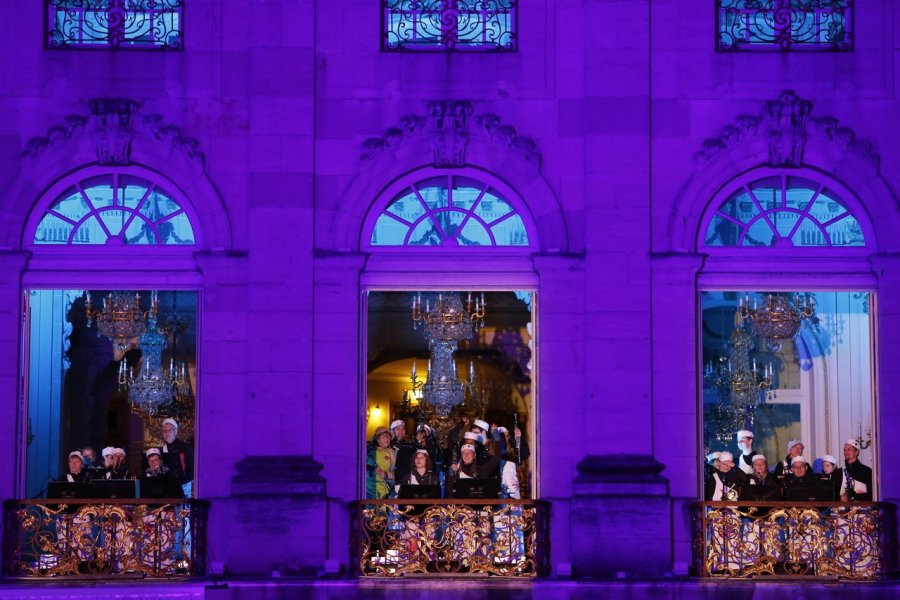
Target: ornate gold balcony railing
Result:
[[392, 538], [803, 539], [103, 538]]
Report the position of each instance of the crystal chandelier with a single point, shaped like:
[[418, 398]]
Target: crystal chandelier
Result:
[[153, 390], [121, 320], [446, 324], [778, 318], [442, 388], [447, 320], [741, 385]]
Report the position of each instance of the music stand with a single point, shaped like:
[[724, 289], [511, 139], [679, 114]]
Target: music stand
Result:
[[160, 487], [810, 492], [114, 488], [419, 492], [758, 493], [476, 489], [67, 490]]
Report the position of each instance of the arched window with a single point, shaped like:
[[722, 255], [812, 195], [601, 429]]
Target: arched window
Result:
[[115, 208], [784, 211], [450, 210]]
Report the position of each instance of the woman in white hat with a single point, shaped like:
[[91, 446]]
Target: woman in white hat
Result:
[[832, 475], [725, 483], [761, 475], [422, 471]]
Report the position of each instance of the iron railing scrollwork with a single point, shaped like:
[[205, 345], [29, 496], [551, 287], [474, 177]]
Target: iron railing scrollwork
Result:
[[392, 538], [447, 25], [805, 539], [109, 538], [785, 25], [114, 24]]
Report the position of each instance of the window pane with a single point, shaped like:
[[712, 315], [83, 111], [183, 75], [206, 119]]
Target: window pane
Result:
[[782, 25], [176, 230], [388, 232], [114, 24], [474, 234], [114, 220], [71, 205], [722, 232], [846, 232], [449, 25], [787, 200], [140, 232], [475, 207], [425, 234], [760, 234], [52, 230], [115, 208], [510, 232]]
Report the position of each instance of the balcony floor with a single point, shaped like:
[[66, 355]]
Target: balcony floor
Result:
[[451, 589]]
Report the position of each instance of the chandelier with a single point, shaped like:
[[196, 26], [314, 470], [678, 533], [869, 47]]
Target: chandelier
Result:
[[153, 390], [442, 388], [447, 320], [446, 324], [121, 320], [740, 384], [778, 318]]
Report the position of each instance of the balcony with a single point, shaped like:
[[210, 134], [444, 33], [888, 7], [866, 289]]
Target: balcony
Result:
[[801, 540], [393, 538], [153, 539]]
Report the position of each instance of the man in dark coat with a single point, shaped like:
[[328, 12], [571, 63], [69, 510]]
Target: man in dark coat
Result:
[[859, 483]]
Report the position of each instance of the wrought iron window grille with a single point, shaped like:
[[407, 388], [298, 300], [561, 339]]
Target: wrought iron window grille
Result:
[[784, 25], [114, 24], [449, 25]]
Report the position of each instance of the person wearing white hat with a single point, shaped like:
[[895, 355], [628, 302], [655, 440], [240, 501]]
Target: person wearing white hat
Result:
[[405, 447], [795, 448], [155, 467], [118, 465], [800, 475], [745, 445], [760, 474], [725, 483], [422, 471], [711, 466], [469, 468], [76, 472], [858, 477], [831, 474], [177, 456]]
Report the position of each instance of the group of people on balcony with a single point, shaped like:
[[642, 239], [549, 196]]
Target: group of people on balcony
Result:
[[727, 477], [173, 460], [474, 449]]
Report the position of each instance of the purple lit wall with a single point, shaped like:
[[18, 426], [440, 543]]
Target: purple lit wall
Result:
[[283, 124]]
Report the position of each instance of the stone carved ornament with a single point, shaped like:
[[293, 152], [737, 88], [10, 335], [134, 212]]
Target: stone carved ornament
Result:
[[447, 123], [786, 125], [115, 124]]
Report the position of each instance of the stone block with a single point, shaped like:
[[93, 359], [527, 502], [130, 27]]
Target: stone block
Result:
[[620, 518]]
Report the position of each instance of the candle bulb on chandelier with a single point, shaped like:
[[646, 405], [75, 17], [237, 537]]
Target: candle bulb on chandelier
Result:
[[471, 371], [413, 372], [754, 365]]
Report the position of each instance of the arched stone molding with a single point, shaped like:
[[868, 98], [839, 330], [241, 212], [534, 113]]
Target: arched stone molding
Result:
[[820, 145], [419, 144], [84, 142]]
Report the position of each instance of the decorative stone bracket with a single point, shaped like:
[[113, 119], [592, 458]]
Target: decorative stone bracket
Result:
[[447, 124], [786, 125]]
